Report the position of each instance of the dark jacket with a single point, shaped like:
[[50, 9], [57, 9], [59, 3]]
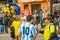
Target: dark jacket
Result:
[[7, 21], [1, 21]]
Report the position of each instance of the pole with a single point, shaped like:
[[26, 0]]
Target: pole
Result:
[[51, 7]]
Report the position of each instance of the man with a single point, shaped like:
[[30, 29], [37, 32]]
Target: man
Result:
[[27, 30], [35, 14], [13, 21], [41, 14], [16, 24], [6, 21], [6, 9], [49, 28], [1, 23], [41, 18]]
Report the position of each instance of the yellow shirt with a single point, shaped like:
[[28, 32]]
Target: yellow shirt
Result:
[[13, 10], [6, 9], [47, 31], [16, 25], [39, 25]]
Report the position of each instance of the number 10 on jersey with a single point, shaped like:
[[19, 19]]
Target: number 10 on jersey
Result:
[[26, 30]]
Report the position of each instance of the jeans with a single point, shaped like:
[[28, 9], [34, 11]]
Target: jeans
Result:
[[1, 28], [41, 22]]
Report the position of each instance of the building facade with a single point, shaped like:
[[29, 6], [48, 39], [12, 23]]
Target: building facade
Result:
[[56, 5], [33, 4]]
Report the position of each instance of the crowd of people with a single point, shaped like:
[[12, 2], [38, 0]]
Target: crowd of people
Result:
[[35, 23], [27, 26], [10, 8]]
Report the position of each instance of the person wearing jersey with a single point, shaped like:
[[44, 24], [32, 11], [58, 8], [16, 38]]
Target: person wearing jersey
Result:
[[16, 24], [49, 28], [28, 30], [6, 9]]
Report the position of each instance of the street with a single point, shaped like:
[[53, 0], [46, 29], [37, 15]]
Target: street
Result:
[[7, 37]]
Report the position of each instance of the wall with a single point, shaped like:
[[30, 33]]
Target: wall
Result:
[[43, 4]]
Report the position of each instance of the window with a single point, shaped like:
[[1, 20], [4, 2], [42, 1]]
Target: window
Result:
[[25, 6], [55, 1], [35, 7]]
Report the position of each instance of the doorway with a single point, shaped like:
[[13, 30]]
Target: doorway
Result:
[[35, 7]]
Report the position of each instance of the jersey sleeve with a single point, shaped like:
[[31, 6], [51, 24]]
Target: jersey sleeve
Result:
[[34, 30], [52, 29]]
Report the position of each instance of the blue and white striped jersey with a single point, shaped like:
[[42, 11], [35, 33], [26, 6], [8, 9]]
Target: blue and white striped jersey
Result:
[[27, 31]]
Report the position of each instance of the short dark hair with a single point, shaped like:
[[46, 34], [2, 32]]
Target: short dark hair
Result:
[[29, 17], [48, 18]]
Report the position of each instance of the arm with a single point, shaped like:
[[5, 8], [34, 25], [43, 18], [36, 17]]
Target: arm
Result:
[[34, 36], [34, 32], [19, 37]]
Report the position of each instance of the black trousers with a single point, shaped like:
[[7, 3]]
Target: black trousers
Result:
[[6, 29]]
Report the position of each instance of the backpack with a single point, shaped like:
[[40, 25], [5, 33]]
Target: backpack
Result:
[[12, 32], [53, 35], [53, 25]]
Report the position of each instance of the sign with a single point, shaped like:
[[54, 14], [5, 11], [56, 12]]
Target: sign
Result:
[[31, 0]]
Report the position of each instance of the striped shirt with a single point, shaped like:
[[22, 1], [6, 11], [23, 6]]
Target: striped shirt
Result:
[[27, 31]]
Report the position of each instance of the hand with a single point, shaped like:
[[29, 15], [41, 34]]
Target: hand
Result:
[[42, 29]]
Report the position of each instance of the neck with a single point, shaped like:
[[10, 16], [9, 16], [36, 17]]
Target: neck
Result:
[[48, 23], [30, 22]]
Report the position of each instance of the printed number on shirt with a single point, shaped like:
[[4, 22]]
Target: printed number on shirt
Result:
[[26, 30]]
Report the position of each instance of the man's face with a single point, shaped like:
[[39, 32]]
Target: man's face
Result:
[[35, 10], [14, 16], [31, 20], [7, 5]]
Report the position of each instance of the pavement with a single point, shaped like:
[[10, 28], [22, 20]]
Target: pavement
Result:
[[39, 37], [7, 37]]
